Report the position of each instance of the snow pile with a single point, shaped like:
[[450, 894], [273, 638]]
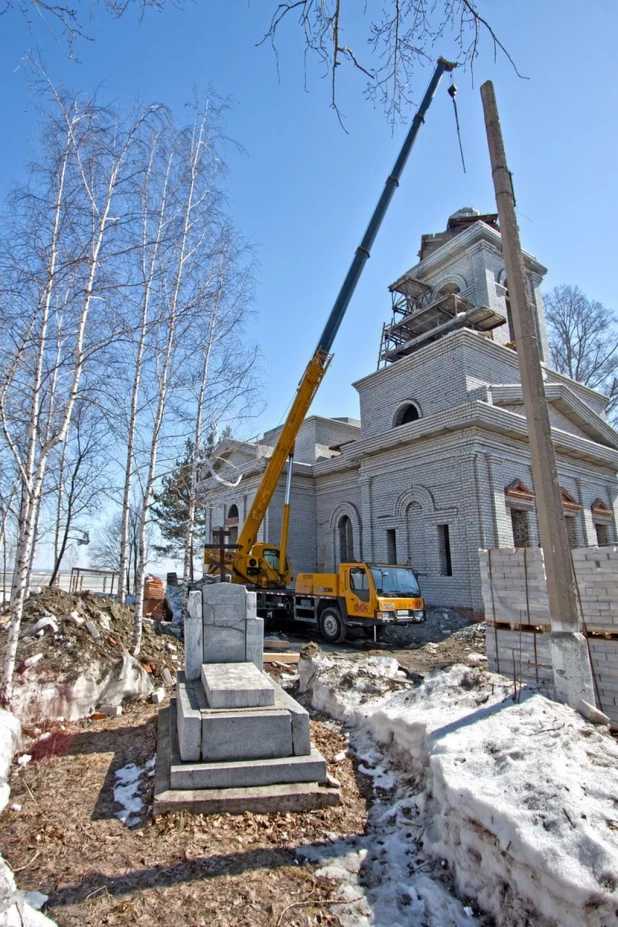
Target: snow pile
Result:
[[19, 909], [10, 735], [519, 799], [38, 698], [16, 908], [127, 791], [342, 688]]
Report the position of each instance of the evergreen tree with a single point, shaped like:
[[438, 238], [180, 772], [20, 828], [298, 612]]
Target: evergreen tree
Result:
[[171, 507]]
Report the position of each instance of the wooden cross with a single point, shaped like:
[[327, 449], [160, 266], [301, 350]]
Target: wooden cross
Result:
[[219, 534]]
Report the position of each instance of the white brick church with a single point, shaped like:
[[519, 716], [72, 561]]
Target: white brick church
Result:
[[438, 465]]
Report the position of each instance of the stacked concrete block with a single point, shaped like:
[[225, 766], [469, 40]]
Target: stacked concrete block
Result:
[[504, 575], [512, 652], [604, 657], [596, 571], [521, 655]]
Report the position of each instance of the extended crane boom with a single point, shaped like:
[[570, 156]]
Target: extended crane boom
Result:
[[247, 564]]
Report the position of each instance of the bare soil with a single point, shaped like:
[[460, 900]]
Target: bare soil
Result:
[[419, 649], [180, 870]]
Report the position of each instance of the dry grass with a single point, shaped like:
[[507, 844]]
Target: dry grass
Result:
[[180, 870]]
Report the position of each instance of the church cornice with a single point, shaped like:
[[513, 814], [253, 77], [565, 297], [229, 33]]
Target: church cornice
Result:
[[477, 234], [477, 342], [485, 416], [563, 398]]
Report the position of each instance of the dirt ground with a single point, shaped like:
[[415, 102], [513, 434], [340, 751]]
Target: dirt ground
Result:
[[435, 644], [178, 870], [184, 870]]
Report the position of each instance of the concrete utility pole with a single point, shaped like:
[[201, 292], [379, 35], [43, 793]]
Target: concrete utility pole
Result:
[[568, 648]]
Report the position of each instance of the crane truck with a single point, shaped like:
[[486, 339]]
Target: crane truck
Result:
[[369, 596]]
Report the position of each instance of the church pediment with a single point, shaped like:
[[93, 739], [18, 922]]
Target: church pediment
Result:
[[568, 404], [569, 504], [519, 491], [601, 510]]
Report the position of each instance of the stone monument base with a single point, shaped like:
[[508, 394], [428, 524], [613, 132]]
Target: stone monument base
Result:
[[293, 783]]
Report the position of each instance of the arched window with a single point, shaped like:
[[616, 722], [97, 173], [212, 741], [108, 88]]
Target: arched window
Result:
[[417, 547], [346, 540], [449, 289], [231, 523], [408, 412]]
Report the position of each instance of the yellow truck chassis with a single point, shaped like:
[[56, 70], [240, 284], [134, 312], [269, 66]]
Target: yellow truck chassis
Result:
[[350, 598]]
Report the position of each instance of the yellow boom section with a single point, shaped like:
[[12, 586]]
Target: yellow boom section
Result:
[[256, 569], [307, 388]]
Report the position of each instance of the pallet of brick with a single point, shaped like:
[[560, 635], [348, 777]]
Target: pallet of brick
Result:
[[508, 650], [596, 571], [604, 657]]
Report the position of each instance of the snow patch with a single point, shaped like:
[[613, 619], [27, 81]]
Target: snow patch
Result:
[[520, 799], [127, 791], [17, 908]]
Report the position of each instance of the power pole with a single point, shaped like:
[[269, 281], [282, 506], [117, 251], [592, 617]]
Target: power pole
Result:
[[569, 652]]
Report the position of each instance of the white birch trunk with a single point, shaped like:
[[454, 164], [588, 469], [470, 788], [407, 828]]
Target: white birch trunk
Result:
[[197, 438], [100, 217], [148, 268], [171, 319]]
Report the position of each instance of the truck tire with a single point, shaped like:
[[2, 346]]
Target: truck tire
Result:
[[331, 626]]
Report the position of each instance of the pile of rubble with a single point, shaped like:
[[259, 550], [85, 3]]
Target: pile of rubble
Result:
[[73, 657]]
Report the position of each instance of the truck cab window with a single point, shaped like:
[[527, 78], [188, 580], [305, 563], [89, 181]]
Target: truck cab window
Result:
[[272, 558], [359, 583]]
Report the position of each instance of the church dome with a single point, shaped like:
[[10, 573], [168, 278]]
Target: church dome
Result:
[[464, 212]]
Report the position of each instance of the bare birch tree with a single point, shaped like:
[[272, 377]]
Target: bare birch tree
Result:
[[81, 481], [104, 551], [153, 196], [67, 226], [225, 377], [396, 38], [66, 23], [184, 277], [583, 340]]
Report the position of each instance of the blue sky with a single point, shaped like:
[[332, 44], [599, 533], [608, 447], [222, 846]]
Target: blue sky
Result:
[[305, 189]]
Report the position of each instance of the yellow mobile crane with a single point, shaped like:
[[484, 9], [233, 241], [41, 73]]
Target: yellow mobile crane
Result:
[[369, 595]]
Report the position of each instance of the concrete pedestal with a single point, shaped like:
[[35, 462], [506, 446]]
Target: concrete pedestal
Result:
[[211, 734], [233, 740], [236, 685], [277, 796], [571, 668]]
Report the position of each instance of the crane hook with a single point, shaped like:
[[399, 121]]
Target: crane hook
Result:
[[452, 91]]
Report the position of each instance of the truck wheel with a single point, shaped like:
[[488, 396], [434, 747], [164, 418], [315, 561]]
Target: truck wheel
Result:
[[332, 627]]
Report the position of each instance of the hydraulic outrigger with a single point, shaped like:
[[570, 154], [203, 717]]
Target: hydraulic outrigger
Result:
[[264, 565]]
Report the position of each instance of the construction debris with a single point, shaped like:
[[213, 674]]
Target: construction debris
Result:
[[93, 629], [112, 711], [281, 657], [71, 670], [590, 713]]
